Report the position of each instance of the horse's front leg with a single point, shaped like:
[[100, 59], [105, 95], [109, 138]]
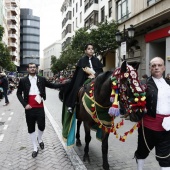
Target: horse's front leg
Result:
[[78, 141], [87, 141], [105, 137]]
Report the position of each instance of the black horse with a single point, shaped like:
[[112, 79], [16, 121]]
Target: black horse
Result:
[[104, 91]]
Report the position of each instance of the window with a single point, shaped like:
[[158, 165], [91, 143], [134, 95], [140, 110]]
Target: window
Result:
[[102, 14], [76, 7], [80, 3], [73, 26], [80, 17], [76, 23], [110, 8], [73, 12], [123, 10], [150, 2], [90, 2]]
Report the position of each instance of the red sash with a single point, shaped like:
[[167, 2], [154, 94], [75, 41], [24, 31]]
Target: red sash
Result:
[[33, 103], [154, 123]]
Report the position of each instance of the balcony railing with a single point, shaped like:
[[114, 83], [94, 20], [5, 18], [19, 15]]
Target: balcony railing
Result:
[[13, 36], [13, 44], [11, 26], [13, 53]]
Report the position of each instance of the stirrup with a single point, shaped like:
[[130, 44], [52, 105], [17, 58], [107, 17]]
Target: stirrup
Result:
[[70, 110]]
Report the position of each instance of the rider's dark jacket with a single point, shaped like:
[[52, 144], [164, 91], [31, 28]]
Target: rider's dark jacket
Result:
[[152, 96], [80, 77]]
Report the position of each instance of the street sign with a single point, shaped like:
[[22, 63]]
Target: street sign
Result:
[[123, 48]]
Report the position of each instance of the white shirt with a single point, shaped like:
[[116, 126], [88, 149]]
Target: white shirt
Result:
[[33, 89], [91, 66], [163, 101]]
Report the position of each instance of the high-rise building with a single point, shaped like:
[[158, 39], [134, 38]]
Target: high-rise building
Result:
[[29, 39], [13, 24]]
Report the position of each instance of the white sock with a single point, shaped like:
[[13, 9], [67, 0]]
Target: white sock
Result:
[[34, 140], [140, 164], [165, 168], [40, 133]]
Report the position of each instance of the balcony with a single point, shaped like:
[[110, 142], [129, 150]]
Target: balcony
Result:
[[12, 18], [13, 53], [13, 1], [93, 7], [12, 26], [12, 9], [11, 44], [13, 36]]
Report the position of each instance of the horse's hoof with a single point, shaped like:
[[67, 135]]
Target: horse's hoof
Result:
[[106, 167], [78, 143], [86, 158]]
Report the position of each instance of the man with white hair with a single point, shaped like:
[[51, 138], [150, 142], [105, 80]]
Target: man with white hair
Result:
[[4, 85], [155, 127]]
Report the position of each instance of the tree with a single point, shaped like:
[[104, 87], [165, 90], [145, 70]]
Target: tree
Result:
[[5, 58], [57, 65], [80, 39], [103, 37]]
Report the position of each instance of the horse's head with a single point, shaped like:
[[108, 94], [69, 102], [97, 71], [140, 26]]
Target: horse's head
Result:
[[131, 93]]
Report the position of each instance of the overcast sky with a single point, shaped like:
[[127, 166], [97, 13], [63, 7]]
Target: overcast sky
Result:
[[50, 19]]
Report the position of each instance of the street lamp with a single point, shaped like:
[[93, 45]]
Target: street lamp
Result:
[[126, 37]]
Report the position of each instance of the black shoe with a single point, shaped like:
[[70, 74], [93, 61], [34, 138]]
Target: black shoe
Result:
[[41, 144], [35, 153]]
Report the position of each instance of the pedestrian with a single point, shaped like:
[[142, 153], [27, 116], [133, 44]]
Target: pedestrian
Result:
[[4, 85], [155, 125], [144, 79], [167, 76], [31, 92], [88, 66]]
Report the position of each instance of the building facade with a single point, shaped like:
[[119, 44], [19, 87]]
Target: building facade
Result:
[[150, 19], [152, 31], [3, 21], [52, 50], [13, 26], [29, 39]]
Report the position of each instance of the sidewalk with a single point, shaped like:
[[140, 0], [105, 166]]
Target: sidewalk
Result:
[[16, 147]]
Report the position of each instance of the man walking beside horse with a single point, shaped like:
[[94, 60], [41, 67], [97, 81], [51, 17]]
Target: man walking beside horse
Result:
[[155, 129]]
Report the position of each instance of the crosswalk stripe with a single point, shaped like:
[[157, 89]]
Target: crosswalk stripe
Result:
[[1, 137], [5, 127], [3, 114], [9, 118], [12, 113], [0, 118]]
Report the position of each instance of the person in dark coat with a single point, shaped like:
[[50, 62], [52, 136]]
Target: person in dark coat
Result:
[[4, 84], [88, 66], [155, 126], [31, 92]]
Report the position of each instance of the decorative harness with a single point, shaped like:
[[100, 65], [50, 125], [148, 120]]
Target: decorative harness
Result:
[[117, 86]]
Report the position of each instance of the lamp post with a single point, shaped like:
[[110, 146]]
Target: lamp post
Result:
[[124, 38]]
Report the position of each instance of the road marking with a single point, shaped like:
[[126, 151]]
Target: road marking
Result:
[[12, 113], [5, 127], [3, 114], [1, 137], [0, 118], [9, 118], [75, 159]]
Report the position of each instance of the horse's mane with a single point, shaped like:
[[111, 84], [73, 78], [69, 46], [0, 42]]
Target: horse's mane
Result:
[[101, 79]]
